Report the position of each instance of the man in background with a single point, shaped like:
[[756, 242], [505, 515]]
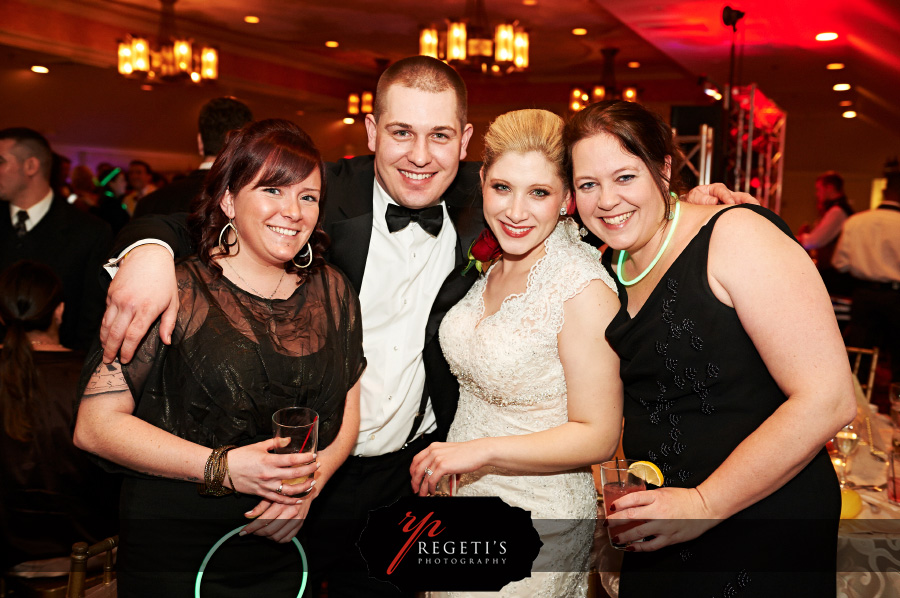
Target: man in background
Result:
[[833, 210], [218, 117], [36, 225], [140, 179], [869, 249]]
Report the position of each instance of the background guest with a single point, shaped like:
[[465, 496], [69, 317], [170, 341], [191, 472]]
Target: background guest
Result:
[[140, 180], [833, 210], [112, 186], [869, 249], [84, 189], [51, 495], [217, 118], [36, 225]]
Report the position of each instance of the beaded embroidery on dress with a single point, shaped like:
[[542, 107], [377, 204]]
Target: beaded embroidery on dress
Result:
[[512, 382]]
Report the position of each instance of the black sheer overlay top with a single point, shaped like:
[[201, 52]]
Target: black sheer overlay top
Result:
[[236, 358]]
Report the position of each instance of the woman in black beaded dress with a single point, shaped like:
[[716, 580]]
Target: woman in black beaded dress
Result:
[[734, 370], [263, 324]]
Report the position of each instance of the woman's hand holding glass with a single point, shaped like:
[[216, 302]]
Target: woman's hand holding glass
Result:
[[670, 516], [256, 470]]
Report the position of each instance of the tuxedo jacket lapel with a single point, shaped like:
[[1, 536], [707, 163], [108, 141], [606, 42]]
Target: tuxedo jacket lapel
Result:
[[466, 213], [348, 218]]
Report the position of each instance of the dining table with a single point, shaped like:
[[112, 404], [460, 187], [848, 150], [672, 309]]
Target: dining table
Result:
[[868, 564]]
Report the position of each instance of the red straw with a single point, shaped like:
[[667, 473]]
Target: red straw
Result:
[[308, 432]]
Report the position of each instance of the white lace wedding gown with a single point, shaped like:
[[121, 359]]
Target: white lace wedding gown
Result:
[[512, 382]]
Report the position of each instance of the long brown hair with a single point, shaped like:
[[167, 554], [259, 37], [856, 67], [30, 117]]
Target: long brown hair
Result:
[[29, 294], [279, 153], [641, 133]]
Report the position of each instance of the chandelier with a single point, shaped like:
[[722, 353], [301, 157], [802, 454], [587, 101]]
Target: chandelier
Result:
[[173, 58], [606, 89], [471, 43]]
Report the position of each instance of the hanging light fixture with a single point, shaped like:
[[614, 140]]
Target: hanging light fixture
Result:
[[174, 58], [358, 104], [606, 89], [470, 42]]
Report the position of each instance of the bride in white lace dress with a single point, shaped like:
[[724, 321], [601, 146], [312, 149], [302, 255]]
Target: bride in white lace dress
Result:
[[540, 395]]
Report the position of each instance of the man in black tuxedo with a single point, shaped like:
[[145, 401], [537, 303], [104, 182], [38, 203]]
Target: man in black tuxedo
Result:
[[218, 117], [36, 225]]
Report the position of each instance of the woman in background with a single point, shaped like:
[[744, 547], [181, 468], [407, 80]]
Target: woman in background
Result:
[[51, 495]]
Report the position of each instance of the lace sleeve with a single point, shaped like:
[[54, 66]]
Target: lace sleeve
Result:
[[570, 267]]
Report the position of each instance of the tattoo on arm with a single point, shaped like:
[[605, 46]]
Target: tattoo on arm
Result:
[[107, 379]]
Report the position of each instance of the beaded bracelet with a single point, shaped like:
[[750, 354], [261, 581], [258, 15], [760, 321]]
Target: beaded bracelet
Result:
[[215, 472]]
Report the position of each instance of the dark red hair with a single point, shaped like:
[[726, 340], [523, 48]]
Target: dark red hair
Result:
[[278, 153]]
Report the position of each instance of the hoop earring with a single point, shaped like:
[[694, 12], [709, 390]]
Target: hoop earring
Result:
[[309, 261], [225, 246]]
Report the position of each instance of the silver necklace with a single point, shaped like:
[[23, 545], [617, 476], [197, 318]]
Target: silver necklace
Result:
[[283, 272]]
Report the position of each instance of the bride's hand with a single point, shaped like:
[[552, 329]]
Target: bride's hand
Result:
[[445, 458]]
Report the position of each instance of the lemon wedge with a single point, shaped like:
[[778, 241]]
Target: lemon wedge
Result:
[[851, 503], [647, 471]]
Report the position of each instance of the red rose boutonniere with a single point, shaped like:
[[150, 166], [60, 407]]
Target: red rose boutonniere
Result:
[[483, 252]]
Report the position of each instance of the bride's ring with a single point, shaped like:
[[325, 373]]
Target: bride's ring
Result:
[[280, 487], [428, 472]]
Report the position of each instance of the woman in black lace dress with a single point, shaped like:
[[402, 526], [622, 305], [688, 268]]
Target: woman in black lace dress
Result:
[[263, 324], [734, 370]]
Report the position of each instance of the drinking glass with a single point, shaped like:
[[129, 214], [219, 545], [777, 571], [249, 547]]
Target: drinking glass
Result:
[[893, 477], [616, 481], [446, 486], [301, 425], [845, 442], [895, 416]]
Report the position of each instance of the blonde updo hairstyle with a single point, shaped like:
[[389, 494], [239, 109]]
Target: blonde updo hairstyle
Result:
[[523, 131]]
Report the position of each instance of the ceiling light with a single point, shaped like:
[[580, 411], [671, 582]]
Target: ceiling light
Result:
[[841, 87], [529, 2], [171, 58], [468, 42], [251, 19], [40, 69], [579, 31], [845, 103], [835, 66], [849, 114], [348, 121], [332, 44], [605, 89], [826, 37], [634, 64]]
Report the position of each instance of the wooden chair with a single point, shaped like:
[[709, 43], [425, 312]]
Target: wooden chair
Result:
[[101, 586], [856, 357]]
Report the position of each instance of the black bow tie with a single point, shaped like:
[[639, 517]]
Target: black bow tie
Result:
[[430, 219]]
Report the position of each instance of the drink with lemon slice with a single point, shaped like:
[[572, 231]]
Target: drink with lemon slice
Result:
[[621, 477]]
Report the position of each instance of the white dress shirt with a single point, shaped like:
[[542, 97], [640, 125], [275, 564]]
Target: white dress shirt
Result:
[[404, 272], [869, 247], [36, 212]]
